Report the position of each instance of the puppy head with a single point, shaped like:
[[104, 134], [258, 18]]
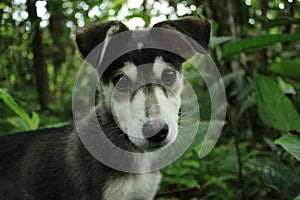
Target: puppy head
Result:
[[142, 87]]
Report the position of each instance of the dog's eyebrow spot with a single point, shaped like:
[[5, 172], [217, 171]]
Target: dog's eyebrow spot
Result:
[[130, 70], [159, 66], [140, 45]]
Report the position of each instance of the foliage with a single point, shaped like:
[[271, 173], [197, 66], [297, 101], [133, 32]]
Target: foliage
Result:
[[269, 96], [291, 144], [286, 67], [24, 122], [256, 46], [256, 43]]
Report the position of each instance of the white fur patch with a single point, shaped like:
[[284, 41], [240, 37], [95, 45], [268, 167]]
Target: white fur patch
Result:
[[130, 112], [130, 70], [169, 108], [159, 66], [131, 115], [109, 34], [133, 186], [140, 45]]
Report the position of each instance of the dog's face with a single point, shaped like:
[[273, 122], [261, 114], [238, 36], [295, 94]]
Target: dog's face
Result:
[[145, 100], [142, 88]]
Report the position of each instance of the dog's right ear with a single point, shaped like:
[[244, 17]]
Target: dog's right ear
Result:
[[88, 38], [198, 29]]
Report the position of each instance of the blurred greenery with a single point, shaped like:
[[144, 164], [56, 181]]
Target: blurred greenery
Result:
[[254, 43], [23, 122]]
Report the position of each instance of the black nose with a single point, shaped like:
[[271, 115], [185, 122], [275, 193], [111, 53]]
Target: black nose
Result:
[[155, 130]]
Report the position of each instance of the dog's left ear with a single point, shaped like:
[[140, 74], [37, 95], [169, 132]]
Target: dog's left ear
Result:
[[90, 37], [198, 29]]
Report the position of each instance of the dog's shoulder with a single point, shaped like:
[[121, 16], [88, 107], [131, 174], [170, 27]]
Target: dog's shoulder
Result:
[[15, 146], [23, 157], [23, 138]]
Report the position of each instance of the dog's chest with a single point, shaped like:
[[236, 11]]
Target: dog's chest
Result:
[[132, 187]]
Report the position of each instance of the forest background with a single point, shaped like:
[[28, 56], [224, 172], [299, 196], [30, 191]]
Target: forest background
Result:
[[255, 45]]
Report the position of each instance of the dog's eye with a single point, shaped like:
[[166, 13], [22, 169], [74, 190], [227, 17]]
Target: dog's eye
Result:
[[168, 76], [122, 82]]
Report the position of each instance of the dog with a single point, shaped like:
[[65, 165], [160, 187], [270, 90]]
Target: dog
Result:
[[138, 110]]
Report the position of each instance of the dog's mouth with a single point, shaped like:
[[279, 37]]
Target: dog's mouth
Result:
[[155, 146], [154, 134], [144, 145]]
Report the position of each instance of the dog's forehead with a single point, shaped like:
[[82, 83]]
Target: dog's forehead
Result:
[[145, 71], [141, 38], [143, 57]]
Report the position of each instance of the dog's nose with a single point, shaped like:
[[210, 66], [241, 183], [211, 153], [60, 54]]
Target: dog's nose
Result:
[[155, 130]]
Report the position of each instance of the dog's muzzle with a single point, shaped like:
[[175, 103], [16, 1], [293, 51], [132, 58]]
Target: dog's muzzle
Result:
[[155, 131]]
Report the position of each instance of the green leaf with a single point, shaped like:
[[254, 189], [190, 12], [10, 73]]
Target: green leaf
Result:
[[282, 21], [19, 123], [297, 198], [190, 75], [35, 121], [117, 5], [205, 113], [289, 68], [285, 87], [231, 77], [8, 100], [278, 176], [274, 108], [2, 5], [256, 43], [216, 41], [248, 103], [31, 123], [291, 143], [214, 26]]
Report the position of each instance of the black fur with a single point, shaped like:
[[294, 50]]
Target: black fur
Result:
[[94, 34], [197, 29], [37, 165]]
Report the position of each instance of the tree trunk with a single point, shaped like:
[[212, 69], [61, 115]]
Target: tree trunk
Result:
[[39, 65], [58, 31]]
